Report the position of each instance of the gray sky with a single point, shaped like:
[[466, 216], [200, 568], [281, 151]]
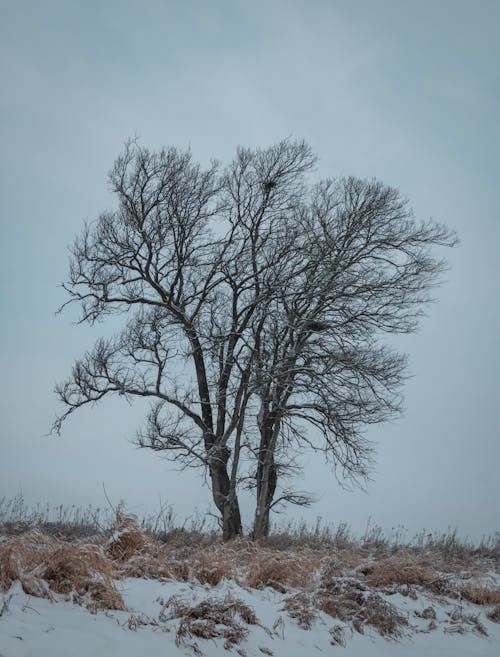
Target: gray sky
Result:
[[408, 92]]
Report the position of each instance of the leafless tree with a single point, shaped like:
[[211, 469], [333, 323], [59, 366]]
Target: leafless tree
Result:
[[182, 257], [255, 306], [360, 267]]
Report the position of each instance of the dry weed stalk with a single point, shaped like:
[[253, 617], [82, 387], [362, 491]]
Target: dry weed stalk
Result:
[[460, 623], [338, 635], [4, 608]]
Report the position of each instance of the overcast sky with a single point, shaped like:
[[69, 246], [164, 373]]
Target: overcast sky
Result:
[[404, 91]]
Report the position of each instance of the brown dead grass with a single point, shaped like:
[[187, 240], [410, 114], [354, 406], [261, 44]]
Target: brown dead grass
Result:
[[86, 572], [212, 618], [248, 564], [350, 601], [71, 564], [342, 579], [283, 571], [127, 539], [210, 573], [302, 608], [161, 561], [481, 595], [494, 614], [137, 554], [403, 569], [21, 555], [44, 565]]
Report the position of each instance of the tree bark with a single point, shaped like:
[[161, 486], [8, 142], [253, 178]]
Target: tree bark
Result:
[[224, 498], [266, 480]]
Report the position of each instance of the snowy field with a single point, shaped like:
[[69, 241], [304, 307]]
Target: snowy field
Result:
[[36, 627], [126, 592]]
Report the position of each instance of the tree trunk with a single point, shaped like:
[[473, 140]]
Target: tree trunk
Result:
[[266, 481], [231, 520], [224, 498]]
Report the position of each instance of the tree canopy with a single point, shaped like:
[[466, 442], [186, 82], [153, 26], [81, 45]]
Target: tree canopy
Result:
[[255, 306]]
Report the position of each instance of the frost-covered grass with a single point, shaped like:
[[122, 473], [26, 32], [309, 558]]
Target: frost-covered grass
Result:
[[132, 586]]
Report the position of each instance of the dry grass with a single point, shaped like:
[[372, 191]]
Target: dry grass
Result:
[[211, 618], [44, 564], [336, 574], [86, 572], [350, 601], [338, 635], [302, 607], [460, 622], [60, 521], [20, 556], [445, 550], [211, 572], [494, 614], [127, 538], [481, 595], [403, 569], [247, 563], [157, 560], [282, 571]]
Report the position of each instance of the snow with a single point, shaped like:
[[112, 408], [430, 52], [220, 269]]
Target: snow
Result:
[[36, 627]]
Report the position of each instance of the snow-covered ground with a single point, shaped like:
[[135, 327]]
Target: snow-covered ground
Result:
[[36, 627]]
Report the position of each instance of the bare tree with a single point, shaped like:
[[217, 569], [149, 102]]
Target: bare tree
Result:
[[182, 257], [360, 267], [254, 307]]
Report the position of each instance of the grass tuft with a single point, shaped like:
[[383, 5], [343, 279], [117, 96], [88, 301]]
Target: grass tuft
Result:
[[211, 618], [302, 608], [494, 614], [481, 595], [350, 601]]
